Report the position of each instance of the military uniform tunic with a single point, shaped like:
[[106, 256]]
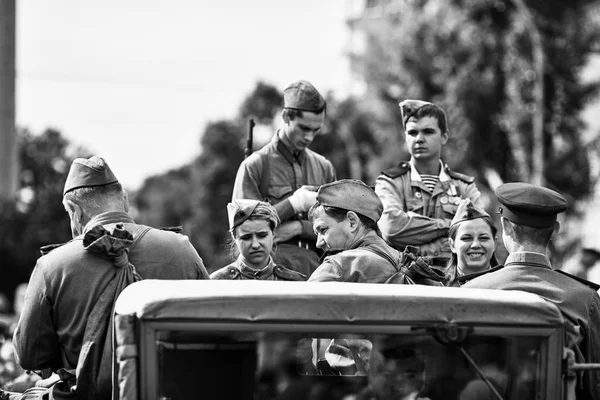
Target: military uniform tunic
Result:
[[238, 270], [579, 304], [358, 264], [412, 215], [67, 282], [286, 173]]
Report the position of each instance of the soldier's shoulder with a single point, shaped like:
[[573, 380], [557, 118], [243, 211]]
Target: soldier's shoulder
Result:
[[229, 272], [289, 274], [591, 285], [319, 158], [457, 175], [397, 170]]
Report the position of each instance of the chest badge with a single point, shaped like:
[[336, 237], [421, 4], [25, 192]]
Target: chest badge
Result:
[[418, 195], [444, 200]]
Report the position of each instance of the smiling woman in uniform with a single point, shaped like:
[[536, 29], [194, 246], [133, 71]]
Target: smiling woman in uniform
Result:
[[472, 238], [252, 224]]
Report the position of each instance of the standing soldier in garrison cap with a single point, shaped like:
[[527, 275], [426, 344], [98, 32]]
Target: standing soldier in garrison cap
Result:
[[286, 173], [528, 222], [69, 283], [421, 196]]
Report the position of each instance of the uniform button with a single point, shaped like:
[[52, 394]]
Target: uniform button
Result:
[[436, 253]]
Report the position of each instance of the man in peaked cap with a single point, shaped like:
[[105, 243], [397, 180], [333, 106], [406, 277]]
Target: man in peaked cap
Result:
[[529, 219], [345, 221], [420, 196], [286, 174], [68, 281]]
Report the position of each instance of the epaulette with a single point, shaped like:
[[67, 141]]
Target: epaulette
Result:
[[587, 283], [398, 170], [176, 229], [49, 247], [288, 274], [226, 273], [458, 175], [465, 278]]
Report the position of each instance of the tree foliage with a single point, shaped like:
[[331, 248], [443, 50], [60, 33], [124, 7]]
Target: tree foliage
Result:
[[37, 216], [474, 58]]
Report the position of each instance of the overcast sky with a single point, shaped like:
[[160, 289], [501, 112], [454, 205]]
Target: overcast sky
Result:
[[135, 81]]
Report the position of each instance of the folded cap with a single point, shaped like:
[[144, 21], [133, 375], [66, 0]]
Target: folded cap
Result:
[[90, 172], [530, 205], [467, 211], [301, 95], [240, 210], [351, 195], [409, 107]]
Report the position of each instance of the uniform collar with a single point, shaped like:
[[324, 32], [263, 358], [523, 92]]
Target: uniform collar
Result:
[[528, 258], [288, 154], [107, 218], [251, 273], [415, 176]]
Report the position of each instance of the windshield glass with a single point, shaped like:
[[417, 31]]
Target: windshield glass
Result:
[[264, 366]]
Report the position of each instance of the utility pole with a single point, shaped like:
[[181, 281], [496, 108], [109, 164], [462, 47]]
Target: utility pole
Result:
[[8, 134]]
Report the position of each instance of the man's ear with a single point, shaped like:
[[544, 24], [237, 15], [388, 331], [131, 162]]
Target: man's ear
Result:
[[506, 226], [556, 228], [445, 136], [74, 210], [353, 220], [285, 116]]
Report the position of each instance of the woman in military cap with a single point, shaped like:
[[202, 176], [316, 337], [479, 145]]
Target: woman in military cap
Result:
[[472, 238], [252, 225]]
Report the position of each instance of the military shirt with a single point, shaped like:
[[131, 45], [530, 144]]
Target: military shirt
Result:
[[238, 270], [287, 172], [579, 304], [412, 215], [358, 264], [67, 282]]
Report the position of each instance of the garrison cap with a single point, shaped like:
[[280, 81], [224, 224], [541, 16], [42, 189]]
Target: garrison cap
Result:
[[468, 211], [240, 210], [351, 195], [90, 172], [301, 95], [409, 107], [531, 205]]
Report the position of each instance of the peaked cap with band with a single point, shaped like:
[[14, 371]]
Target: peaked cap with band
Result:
[[531, 205]]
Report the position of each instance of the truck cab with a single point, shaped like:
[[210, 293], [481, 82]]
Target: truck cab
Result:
[[304, 340]]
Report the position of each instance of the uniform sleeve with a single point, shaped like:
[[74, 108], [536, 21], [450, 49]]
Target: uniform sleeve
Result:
[[401, 227], [471, 192], [193, 260], [591, 351], [35, 341], [328, 271], [247, 179]]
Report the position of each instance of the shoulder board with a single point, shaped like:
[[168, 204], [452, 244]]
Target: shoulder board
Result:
[[226, 273], [288, 274], [398, 170], [465, 278], [176, 229], [587, 283], [459, 176], [49, 247]]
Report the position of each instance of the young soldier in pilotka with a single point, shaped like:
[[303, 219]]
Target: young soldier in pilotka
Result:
[[286, 174], [421, 196]]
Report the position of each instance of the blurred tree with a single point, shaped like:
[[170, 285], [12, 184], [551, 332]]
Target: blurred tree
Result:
[[37, 216], [474, 58], [262, 103]]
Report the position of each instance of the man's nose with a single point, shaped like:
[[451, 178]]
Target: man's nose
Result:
[[420, 137], [320, 242]]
